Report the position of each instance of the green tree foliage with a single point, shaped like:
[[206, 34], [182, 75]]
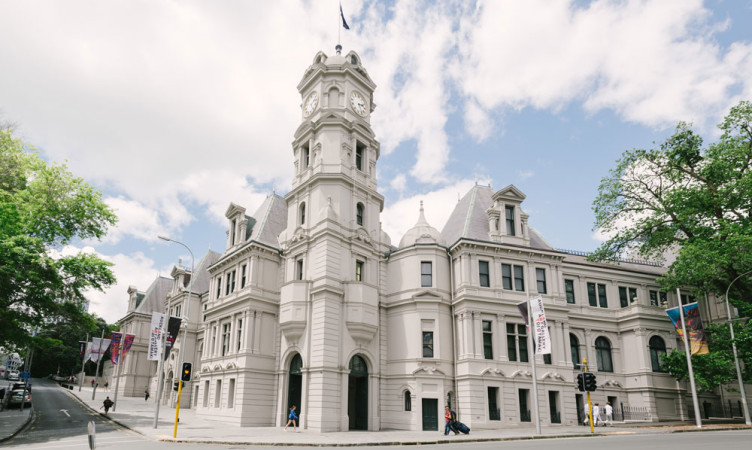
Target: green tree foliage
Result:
[[43, 207], [690, 199], [717, 367]]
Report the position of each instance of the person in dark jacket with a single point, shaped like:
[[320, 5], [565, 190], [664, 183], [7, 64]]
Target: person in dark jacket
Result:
[[107, 404]]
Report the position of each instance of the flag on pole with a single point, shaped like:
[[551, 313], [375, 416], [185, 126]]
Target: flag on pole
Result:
[[698, 343], [541, 337], [173, 328], [342, 14], [155, 337], [127, 343], [98, 347], [115, 347]]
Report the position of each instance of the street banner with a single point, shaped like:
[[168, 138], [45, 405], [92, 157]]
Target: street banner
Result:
[[173, 328], [697, 342], [98, 348], [87, 354], [115, 346], [540, 327], [541, 337], [127, 343], [155, 336], [82, 349]]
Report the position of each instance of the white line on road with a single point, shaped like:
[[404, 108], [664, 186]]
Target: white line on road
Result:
[[65, 411]]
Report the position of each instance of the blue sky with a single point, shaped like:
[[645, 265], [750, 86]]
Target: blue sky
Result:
[[176, 109]]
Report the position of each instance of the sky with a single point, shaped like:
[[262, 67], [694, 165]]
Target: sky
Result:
[[174, 109]]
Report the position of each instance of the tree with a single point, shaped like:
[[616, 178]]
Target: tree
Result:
[[689, 199], [43, 207], [716, 368]]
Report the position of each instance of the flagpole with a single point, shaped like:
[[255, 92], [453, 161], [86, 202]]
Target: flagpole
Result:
[[339, 26], [121, 361], [99, 360], [160, 375], [531, 330], [83, 373], [685, 337]]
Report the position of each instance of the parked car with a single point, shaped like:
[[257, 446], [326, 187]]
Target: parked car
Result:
[[13, 375], [17, 386], [17, 396]]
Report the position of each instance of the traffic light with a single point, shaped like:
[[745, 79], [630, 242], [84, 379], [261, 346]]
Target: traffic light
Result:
[[186, 371], [176, 386], [589, 381], [580, 382]]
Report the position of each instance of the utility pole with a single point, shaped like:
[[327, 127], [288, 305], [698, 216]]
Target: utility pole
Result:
[[685, 338], [83, 362]]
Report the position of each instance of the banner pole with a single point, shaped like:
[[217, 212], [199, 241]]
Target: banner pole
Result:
[[121, 361], [685, 338], [531, 330], [83, 373], [100, 354]]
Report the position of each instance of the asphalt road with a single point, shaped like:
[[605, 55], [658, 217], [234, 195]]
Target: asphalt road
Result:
[[60, 422]]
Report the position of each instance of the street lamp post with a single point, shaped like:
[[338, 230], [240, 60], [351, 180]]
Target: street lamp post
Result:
[[184, 347], [736, 358]]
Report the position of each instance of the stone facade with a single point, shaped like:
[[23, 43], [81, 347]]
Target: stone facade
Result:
[[310, 304]]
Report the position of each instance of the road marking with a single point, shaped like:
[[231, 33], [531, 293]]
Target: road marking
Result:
[[65, 411]]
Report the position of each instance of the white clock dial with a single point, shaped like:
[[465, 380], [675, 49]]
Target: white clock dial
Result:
[[310, 104], [358, 103]]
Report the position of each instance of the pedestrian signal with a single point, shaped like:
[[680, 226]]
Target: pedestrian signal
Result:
[[176, 386], [186, 371], [580, 382]]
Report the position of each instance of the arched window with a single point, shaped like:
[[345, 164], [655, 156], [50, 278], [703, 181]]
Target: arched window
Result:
[[603, 355], [657, 348], [359, 214], [302, 213], [574, 347], [408, 401], [296, 365], [358, 366]]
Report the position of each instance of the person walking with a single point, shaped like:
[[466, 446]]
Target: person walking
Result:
[[146, 395], [587, 415], [449, 418], [291, 419], [609, 414], [596, 415], [92, 383], [107, 404]]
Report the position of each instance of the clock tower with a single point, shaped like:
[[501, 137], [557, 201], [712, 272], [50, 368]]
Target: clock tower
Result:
[[333, 250]]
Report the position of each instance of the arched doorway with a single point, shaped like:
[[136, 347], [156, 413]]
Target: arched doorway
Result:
[[357, 398], [295, 382]]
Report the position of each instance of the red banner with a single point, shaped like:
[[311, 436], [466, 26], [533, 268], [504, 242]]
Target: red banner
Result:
[[127, 343], [115, 347]]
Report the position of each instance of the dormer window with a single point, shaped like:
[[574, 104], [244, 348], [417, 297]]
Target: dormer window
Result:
[[233, 224], [353, 60], [302, 214], [509, 211], [359, 214]]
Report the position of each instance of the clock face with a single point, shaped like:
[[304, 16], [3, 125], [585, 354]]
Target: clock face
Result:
[[310, 104], [358, 103]]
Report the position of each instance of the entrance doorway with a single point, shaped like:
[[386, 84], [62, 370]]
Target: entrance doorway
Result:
[[295, 383], [430, 414], [357, 394]]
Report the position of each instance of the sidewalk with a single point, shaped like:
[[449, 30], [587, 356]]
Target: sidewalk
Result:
[[12, 420], [138, 415]]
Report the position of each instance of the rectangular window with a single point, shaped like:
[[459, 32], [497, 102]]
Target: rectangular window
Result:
[[227, 285], [426, 274], [178, 310], [540, 277], [517, 340], [359, 152], [232, 282], [428, 344], [240, 334], [664, 299], [299, 269], [231, 393], [519, 279], [506, 276], [242, 276], [653, 298], [509, 212], [569, 289], [487, 340], [225, 338], [687, 299], [233, 225], [206, 394], [483, 273], [358, 271], [623, 300], [218, 394], [602, 300], [547, 358], [306, 155], [493, 403], [219, 286], [591, 294]]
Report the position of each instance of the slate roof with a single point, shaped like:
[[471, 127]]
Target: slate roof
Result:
[[201, 284], [270, 220], [154, 297]]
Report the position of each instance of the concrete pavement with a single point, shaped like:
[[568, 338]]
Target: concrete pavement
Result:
[[12, 420], [138, 415]]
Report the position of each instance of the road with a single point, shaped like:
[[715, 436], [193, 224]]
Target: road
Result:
[[60, 422]]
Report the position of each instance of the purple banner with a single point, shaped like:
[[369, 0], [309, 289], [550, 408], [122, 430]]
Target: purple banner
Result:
[[115, 347]]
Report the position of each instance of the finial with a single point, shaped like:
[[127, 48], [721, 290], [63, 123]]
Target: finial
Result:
[[421, 205], [339, 49]]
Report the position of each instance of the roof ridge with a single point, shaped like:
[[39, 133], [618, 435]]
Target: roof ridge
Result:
[[469, 213]]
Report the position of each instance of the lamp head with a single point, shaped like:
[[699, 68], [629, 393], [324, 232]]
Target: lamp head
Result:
[[164, 238]]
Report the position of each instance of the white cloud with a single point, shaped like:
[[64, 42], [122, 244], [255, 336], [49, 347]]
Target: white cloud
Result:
[[399, 182], [400, 216], [525, 174]]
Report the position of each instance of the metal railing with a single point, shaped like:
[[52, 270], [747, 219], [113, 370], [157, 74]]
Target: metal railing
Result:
[[710, 409]]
